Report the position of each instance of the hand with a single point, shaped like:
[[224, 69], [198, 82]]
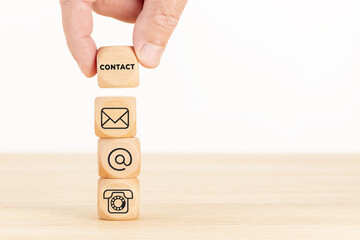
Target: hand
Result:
[[155, 20]]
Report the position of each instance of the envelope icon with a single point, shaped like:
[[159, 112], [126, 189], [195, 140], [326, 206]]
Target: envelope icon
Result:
[[114, 118]]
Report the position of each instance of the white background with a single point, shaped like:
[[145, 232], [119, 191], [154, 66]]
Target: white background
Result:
[[237, 76]]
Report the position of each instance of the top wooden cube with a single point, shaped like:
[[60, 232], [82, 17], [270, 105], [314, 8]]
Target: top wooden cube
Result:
[[117, 67]]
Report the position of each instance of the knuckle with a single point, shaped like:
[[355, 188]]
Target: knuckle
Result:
[[167, 22]]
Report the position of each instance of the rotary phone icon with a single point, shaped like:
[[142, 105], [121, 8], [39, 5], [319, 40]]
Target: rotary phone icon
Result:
[[118, 200]]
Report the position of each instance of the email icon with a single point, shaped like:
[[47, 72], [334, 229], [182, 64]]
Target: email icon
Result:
[[114, 118]]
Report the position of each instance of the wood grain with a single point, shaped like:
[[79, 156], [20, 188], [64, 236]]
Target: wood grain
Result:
[[186, 197]]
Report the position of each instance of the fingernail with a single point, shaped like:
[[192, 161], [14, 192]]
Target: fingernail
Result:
[[151, 54]]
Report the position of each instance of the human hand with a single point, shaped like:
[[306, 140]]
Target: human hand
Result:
[[155, 20]]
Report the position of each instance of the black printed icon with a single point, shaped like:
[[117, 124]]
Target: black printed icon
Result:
[[118, 200], [119, 158], [114, 118]]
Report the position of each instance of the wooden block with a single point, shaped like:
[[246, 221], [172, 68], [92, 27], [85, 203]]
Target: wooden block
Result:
[[118, 199], [115, 117], [119, 157], [117, 67]]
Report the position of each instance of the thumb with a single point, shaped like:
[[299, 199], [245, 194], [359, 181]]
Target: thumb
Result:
[[153, 28]]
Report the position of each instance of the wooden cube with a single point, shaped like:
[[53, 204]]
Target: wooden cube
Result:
[[115, 117], [118, 199], [117, 67], [119, 157]]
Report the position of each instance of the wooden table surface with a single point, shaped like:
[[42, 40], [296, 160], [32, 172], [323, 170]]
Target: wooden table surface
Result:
[[186, 197]]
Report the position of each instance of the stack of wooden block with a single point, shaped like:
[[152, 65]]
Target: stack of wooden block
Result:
[[119, 152]]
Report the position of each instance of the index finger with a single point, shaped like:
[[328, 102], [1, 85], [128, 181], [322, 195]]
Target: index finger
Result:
[[78, 25]]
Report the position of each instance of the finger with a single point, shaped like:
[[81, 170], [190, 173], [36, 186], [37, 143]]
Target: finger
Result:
[[78, 25], [154, 27], [123, 10]]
